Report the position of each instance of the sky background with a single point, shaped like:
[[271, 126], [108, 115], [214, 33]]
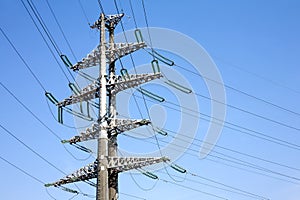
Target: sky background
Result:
[[255, 45]]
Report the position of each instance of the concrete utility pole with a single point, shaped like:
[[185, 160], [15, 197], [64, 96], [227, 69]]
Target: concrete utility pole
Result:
[[102, 154], [112, 144], [105, 130]]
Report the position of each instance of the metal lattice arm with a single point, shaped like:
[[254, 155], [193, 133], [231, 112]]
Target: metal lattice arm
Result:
[[122, 83], [83, 174], [118, 126], [118, 84], [112, 53], [126, 164], [88, 93], [116, 163]]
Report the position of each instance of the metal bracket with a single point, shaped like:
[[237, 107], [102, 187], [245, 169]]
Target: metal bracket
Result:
[[112, 53], [115, 85], [88, 93], [122, 83], [116, 163], [114, 127]]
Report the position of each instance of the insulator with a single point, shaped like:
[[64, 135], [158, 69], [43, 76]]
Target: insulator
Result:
[[151, 95], [74, 88], [150, 175], [51, 97], [82, 148], [80, 107], [66, 61], [48, 184], [69, 190], [64, 141], [138, 35], [178, 87], [178, 168], [88, 109], [125, 74], [161, 132], [60, 116], [162, 58], [155, 66]]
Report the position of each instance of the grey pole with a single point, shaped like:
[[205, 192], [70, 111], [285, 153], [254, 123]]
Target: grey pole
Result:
[[102, 154]]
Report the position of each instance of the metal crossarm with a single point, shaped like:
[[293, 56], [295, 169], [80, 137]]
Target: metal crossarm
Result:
[[120, 164], [118, 84], [112, 53], [88, 93], [83, 174], [126, 164], [118, 126], [122, 83]]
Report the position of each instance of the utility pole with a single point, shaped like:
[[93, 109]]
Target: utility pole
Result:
[[105, 130], [102, 154], [112, 144]]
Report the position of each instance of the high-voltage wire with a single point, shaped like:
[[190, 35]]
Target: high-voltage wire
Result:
[[44, 39], [209, 159], [240, 91], [39, 180], [230, 125], [35, 152], [22, 59], [210, 79], [61, 29]]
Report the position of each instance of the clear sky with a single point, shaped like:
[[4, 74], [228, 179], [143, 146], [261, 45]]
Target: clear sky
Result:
[[255, 45]]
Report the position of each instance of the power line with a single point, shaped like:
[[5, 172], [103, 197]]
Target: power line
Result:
[[130, 195], [276, 83], [236, 161], [240, 91], [147, 24], [100, 6], [30, 149], [44, 39], [212, 160], [43, 25], [230, 125], [232, 190], [40, 121], [27, 66], [250, 113], [29, 110], [235, 151], [84, 12], [23, 171], [243, 110], [133, 15], [232, 160], [222, 184], [39, 180], [35, 152], [230, 87], [193, 189], [61, 30]]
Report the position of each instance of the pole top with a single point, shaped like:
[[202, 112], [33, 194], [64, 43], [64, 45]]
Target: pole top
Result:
[[111, 21]]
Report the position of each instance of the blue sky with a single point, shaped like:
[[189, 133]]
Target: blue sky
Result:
[[255, 45]]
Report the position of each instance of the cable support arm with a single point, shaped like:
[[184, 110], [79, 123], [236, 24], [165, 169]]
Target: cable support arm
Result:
[[120, 164], [120, 125]]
